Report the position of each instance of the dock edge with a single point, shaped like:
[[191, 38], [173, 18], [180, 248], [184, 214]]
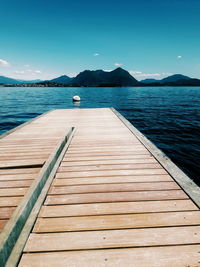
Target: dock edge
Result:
[[190, 188]]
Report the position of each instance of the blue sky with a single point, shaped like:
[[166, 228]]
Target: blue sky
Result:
[[150, 38]]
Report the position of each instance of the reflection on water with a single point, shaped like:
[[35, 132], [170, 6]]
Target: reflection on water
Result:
[[77, 104]]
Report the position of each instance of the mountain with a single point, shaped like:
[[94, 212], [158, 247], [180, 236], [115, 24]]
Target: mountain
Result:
[[123, 77], [6, 80], [99, 78], [186, 82], [30, 81], [149, 81], [174, 78], [117, 77], [64, 79]]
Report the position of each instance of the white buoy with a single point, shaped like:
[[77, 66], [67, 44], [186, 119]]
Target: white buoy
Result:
[[76, 98]]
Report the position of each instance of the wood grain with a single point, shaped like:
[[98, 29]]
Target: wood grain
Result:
[[114, 196], [60, 181], [179, 256], [116, 208], [124, 221], [121, 187], [113, 239]]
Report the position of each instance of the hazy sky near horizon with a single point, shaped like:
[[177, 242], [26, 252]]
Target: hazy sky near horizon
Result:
[[43, 39]]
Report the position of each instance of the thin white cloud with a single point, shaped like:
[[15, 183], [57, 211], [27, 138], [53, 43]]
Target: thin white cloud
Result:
[[179, 57], [166, 73], [135, 72], [19, 72], [34, 71], [4, 63], [96, 54], [27, 65], [148, 75], [37, 71], [140, 75], [72, 74], [108, 70], [118, 64], [28, 72]]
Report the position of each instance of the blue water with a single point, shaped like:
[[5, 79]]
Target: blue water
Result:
[[169, 116]]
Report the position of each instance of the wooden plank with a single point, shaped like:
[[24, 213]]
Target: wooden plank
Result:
[[179, 256], [24, 157], [113, 239], [121, 187], [84, 174], [19, 171], [107, 162], [108, 153], [140, 166], [125, 221], [113, 179], [2, 224], [21, 149], [9, 201], [17, 177], [105, 158], [13, 184], [12, 191], [6, 212], [21, 163], [116, 208], [24, 154], [115, 196], [138, 147], [95, 144]]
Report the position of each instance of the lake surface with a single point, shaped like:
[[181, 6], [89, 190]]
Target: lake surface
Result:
[[168, 116]]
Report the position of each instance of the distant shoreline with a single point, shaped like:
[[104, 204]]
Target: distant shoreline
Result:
[[117, 86], [99, 78]]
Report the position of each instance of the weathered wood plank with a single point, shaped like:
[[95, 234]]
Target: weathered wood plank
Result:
[[109, 153], [21, 163], [108, 162], [24, 157], [9, 201], [105, 158], [106, 149], [13, 184], [12, 192], [125, 221], [19, 171], [113, 239], [6, 212], [136, 166], [116, 208], [121, 187], [60, 181], [17, 177], [115, 196], [100, 173], [2, 224], [179, 256]]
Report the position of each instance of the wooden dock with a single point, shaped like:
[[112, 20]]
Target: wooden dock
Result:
[[98, 195]]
